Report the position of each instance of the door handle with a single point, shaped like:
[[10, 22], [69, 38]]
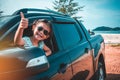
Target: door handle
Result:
[[86, 50], [62, 68]]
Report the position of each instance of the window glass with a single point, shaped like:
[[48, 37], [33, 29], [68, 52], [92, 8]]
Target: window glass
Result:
[[68, 34], [4, 20]]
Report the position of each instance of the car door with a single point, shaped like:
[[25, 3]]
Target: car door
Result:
[[60, 63], [65, 38], [77, 47], [60, 66], [81, 56], [82, 61]]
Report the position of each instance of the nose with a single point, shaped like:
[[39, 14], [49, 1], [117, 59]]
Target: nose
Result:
[[41, 32]]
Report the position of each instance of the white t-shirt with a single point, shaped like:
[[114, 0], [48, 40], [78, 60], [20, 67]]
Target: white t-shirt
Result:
[[28, 43]]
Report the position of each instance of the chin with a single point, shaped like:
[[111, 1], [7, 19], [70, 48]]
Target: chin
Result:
[[40, 39]]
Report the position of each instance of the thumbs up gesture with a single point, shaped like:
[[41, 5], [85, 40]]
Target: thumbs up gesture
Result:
[[23, 22]]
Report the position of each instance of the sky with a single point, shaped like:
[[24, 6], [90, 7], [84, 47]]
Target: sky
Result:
[[96, 13]]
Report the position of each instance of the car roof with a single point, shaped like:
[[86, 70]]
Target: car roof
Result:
[[34, 10]]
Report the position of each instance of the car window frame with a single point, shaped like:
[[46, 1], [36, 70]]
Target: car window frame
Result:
[[13, 29], [59, 40]]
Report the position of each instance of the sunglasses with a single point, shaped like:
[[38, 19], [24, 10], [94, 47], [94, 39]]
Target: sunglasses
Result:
[[44, 31]]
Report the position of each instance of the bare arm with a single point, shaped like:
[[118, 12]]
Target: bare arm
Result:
[[19, 33], [47, 50], [18, 37]]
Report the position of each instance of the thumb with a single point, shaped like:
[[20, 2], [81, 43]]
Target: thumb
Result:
[[22, 15]]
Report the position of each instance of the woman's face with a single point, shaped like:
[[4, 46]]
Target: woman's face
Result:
[[41, 31]]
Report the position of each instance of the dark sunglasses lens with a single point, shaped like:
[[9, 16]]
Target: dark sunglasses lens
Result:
[[40, 28], [46, 32]]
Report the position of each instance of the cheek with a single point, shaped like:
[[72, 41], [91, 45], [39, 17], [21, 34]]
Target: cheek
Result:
[[34, 31], [46, 37]]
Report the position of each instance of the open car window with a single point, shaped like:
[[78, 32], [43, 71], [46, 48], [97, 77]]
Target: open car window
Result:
[[4, 20], [8, 37]]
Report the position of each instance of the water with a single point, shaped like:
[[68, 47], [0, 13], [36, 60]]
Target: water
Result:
[[107, 32]]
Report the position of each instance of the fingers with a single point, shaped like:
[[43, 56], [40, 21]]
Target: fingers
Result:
[[24, 21], [22, 15]]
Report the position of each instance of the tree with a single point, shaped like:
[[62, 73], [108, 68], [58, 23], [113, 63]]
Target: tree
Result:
[[1, 13], [67, 7]]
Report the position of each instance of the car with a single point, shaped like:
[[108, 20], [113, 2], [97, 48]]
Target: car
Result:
[[76, 55]]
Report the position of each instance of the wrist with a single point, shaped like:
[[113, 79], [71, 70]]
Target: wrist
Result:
[[22, 28]]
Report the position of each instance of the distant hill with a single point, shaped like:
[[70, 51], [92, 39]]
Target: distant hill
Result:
[[104, 28]]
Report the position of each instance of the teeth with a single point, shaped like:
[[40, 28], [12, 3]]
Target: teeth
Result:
[[36, 36]]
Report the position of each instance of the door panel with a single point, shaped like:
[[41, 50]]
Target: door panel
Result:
[[63, 76], [78, 48], [82, 63], [61, 66]]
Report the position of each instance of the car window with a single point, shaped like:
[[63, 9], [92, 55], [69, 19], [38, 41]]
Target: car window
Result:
[[8, 37], [4, 20], [68, 34], [7, 41]]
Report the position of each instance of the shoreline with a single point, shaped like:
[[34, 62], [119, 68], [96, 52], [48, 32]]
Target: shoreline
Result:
[[111, 38]]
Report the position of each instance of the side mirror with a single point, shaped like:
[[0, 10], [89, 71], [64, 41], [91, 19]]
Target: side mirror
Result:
[[91, 32], [39, 62]]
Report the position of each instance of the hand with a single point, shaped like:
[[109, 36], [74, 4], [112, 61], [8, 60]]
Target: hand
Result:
[[23, 22]]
